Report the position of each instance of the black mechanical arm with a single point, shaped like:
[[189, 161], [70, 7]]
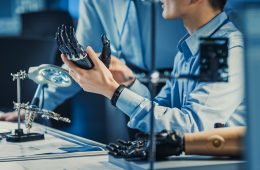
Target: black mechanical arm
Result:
[[69, 45], [167, 144], [216, 142]]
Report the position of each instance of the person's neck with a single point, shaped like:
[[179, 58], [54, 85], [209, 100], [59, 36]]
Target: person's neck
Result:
[[194, 22]]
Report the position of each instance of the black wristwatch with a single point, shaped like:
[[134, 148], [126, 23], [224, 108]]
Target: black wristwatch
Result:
[[117, 93]]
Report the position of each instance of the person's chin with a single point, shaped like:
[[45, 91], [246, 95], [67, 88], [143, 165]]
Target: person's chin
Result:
[[165, 16]]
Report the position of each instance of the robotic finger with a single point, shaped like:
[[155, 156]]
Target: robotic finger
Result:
[[68, 45]]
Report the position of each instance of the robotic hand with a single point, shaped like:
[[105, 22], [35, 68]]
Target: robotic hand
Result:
[[215, 142], [68, 45], [167, 144]]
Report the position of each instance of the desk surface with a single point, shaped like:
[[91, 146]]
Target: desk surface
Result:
[[184, 163], [76, 163], [45, 154], [103, 161]]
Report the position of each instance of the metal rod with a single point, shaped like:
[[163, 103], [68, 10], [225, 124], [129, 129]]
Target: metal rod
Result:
[[152, 85], [19, 99], [18, 76]]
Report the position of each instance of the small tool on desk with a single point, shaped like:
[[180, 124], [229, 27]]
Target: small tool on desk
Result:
[[19, 135], [31, 110]]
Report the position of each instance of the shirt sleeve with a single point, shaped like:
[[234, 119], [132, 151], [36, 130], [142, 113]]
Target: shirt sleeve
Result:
[[55, 96], [140, 89], [206, 105]]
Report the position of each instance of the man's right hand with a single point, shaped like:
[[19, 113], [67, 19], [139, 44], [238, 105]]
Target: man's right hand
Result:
[[11, 116]]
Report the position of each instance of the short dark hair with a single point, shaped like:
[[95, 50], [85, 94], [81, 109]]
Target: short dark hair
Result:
[[218, 4]]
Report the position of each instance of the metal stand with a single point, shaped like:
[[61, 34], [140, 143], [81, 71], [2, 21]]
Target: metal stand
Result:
[[152, 85], [19, 135]]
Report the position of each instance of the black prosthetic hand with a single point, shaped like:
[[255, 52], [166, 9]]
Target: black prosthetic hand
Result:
[[68, 45], [167, 144], [105, 55]]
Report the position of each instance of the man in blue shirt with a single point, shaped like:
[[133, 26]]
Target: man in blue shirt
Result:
[[126, 23], [186, 105]]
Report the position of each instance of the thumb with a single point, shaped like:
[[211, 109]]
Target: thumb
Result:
[[93, 56]]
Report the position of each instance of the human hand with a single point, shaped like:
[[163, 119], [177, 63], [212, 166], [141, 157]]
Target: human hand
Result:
[[167, 144], [121, 73], [96, 80], [12, 116]]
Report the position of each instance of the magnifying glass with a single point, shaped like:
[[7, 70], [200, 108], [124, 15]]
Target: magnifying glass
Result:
[[51, 75]]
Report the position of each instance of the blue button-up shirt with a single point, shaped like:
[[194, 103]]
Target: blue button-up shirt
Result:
[[127, 25], [189, 105]]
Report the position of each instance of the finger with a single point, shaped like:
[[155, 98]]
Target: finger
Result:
[[126, 143], [114, 145], [6, 117], [71, 65], [93, 56], [110, 148], [2, 117], [73, 75], [11, 118], [115, 154]]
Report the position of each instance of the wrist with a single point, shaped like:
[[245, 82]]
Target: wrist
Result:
[[112, 88], [116, 94], [130, 82], [129, 76]]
